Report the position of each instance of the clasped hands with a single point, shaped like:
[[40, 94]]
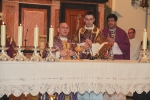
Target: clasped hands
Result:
[[88, 44], [64, 53], [110, 41]]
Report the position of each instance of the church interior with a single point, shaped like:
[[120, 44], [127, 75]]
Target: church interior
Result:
[[48, 14]]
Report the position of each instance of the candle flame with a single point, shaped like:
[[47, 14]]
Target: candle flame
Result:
[[51, 26], [144, 30], [3, 23], [20, 24], [36, 25]]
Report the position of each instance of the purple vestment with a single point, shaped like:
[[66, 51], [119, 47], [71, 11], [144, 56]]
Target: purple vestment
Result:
[[58, 45], [122, 40], [10, 49]]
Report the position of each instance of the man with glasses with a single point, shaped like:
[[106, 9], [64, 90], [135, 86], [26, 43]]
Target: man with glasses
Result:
[[135, 44], [88, 34], [59, 39]]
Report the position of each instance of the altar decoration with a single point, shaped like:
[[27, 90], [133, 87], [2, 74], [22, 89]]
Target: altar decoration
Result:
[[20, 56], [51, 56], [144, 53], [35, 55], [3, 48]]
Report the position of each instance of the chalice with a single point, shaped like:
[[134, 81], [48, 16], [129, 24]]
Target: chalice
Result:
[[78, 49], [52, 97], [68, 51]]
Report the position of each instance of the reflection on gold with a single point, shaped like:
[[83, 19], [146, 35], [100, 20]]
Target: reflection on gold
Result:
[[67, 46], [52, 97], [79, 49]]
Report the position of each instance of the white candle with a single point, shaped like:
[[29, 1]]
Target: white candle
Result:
[[51, 37], [36, 36], [144, 40], [3, 35], [20, 35]]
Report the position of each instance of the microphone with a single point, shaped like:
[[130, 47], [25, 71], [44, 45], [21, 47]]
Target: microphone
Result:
[[25, 40]]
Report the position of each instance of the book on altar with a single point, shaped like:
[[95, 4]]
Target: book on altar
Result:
[[100, 49]]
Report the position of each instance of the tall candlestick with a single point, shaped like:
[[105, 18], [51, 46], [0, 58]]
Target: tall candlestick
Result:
[[20, 35], [3, 35], [144, 40], [36, 36], [51, 37]]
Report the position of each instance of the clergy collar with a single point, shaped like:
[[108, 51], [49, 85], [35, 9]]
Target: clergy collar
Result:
[[63, 38], [89, 28], [112, 30], [132, 38]]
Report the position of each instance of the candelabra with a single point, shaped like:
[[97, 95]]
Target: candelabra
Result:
[[36, 56], [144, 56], [51, 57], [3, 54], [20, 56]]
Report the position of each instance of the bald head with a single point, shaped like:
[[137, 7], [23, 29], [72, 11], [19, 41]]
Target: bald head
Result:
[[63, 29]]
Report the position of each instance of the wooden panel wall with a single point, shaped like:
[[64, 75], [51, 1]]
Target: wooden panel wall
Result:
[[10, 18], [30, 18]]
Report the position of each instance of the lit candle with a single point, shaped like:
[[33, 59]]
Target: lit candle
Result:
[[51, 36], [3, 35], [144, 40], [20, 35], [36, 36]]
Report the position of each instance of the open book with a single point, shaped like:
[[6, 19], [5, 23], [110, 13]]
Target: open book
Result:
[[99, 50]]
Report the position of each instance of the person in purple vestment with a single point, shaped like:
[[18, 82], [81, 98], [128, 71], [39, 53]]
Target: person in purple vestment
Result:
[[89, 35], [59, 41], [120, 49], [11, 45], [118, 38]]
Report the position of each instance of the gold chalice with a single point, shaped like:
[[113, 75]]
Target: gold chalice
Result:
[[79, 49], [52, 97], [68, 45]]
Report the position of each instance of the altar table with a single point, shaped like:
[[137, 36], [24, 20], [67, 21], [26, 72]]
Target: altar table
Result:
[[76, 76]]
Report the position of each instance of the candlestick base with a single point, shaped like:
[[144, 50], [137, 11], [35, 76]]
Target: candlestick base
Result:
[[143, 58], [36, 56], [51, 57], [3, 54], [20, 56]]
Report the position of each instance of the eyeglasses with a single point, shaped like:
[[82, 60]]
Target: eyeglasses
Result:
[[64, 28], [130, 32], [91, 19]]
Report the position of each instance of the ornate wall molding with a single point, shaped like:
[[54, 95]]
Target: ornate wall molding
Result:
[[65, 5], [36, 6]]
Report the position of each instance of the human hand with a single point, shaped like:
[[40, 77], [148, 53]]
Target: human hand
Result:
[[63, 53], [110, 41], [86, 46], [89, 42], [71, 53]]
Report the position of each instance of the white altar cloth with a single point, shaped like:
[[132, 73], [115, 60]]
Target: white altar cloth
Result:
[[87, 75]]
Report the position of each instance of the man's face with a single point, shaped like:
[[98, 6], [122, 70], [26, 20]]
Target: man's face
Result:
[[111, 23], [89, 20], [63, 29], [131, 34]]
